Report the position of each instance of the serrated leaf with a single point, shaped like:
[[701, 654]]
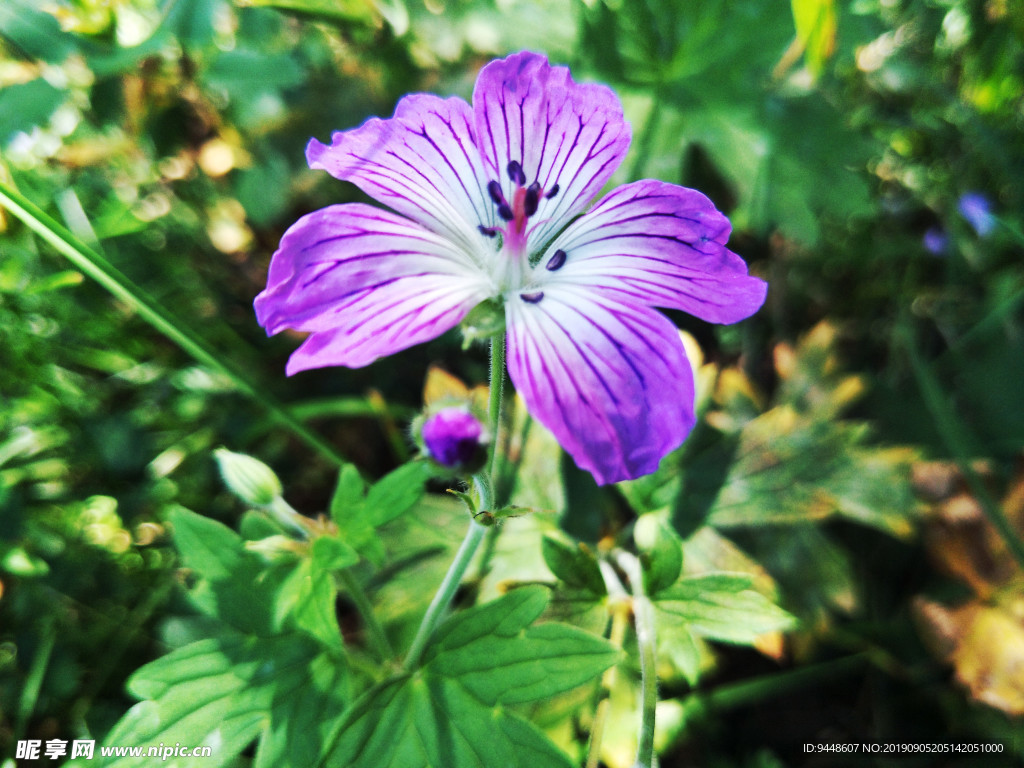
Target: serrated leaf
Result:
[[226, 691], [450, 713], [723, 607], [573, 565]]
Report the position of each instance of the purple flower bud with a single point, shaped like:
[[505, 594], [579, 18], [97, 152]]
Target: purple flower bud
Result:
[[454, 438], [977, 209]]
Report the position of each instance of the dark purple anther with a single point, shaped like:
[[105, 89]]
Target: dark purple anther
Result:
[[532, 197], [505, 211], [532, 298], [489, 231], [552, 192], [556, 261], [515, 172], [494, 190]]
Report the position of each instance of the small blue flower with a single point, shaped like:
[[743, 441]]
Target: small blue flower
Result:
[[977, 209], [936, 241]]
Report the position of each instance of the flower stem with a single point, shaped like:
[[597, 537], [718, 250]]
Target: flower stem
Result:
[[375, 632], [643, 620], [484, 483]]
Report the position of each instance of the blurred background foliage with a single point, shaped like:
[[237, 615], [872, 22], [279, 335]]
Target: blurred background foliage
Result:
[[860, 449]]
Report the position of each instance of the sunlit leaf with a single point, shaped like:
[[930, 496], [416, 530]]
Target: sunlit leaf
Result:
[[450, 711]]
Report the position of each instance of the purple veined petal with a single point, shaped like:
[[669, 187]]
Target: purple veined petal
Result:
[[609, 379], [658, 244], [559, 131], [367, 283], [423, 163]]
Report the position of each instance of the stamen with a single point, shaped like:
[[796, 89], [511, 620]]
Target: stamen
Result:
[[494, 190], [505, 211], [530, 202], [489, 231], [556, 261], [552, 192], [515, 172], [532, 298]]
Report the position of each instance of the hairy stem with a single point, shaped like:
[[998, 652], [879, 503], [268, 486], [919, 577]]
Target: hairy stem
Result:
[[484, 483], [643, 620]]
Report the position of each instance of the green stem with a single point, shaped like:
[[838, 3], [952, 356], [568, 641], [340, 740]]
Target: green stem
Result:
[[110, 277], [643, 620], [445, 593], [957, 440], [485, 488], [378, 638]]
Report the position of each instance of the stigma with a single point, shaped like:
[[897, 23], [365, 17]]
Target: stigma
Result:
[[517, 211]]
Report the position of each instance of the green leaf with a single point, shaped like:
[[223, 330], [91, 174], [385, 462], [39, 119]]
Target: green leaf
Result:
[[26, 105], [307, 596], [331, 10], [235, 586], [722, 606], [451, 713], [661, 553], [347, 500], [226, 691], [815, 22], [573, 564], [397, 492]]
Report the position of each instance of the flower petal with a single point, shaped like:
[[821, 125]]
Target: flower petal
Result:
[[423, 163], [658, 244], [609, 379], [367, 283], [560, 132]]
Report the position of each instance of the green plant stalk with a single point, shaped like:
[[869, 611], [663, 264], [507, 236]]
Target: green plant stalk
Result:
[[646, 638], [378, 637], [954, 436], [475, 534], [769, 686], [106, 274], [34, 681]]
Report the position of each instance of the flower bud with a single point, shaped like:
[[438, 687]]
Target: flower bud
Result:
[[455, 439], [249, 479]]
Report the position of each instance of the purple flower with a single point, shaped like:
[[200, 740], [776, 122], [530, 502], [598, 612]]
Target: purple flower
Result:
[[454, 438], [487, 202], [977, 209]]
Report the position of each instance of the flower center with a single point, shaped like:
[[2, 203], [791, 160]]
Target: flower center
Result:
[[516, 214], [524, 205]]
